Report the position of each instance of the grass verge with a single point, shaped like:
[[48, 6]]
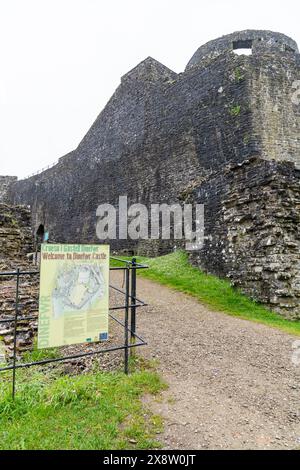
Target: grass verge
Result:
[[100, 410], [174, 271]]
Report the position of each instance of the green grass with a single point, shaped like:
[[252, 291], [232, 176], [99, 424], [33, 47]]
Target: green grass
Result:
[[99, 410], [174, 270], [235, 110]]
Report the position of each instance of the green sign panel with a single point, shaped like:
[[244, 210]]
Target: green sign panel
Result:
[[74, 294]]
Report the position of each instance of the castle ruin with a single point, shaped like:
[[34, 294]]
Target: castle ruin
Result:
[[225, 133]]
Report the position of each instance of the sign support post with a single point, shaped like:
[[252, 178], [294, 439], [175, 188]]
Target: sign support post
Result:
[[15, 333]]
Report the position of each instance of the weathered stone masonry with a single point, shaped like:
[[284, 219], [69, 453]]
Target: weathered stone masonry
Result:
[[253, 231], [221, 132], [15, 243], [5, 182]]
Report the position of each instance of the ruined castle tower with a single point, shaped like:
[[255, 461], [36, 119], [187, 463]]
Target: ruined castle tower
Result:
[[225, 132]]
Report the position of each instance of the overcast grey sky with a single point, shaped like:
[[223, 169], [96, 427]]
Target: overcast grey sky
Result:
[[61, 60]]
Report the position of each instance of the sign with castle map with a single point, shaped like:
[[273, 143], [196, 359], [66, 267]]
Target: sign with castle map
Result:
[[74, 292]]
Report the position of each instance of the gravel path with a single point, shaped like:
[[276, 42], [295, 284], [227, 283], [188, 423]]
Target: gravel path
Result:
[[232, 383]]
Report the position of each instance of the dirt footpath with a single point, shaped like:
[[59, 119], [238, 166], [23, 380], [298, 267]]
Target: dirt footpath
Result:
[[232, 383]]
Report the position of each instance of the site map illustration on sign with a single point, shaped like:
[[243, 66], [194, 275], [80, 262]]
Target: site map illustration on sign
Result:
[[73, 294]]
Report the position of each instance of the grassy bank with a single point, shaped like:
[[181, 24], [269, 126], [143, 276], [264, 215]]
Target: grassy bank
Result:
[[91, 411], [174, 270]]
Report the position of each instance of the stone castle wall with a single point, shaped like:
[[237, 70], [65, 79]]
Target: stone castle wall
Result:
[[162, 133], [153, 138]]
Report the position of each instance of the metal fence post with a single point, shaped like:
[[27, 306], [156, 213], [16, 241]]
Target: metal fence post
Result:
[[133, 304], [127, 295], [15, 334]]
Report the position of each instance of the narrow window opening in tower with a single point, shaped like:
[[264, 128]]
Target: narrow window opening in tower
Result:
[[289, 49], [243, 47], [243, 51]]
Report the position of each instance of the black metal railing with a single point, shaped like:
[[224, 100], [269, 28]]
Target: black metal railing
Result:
[[131, 303]]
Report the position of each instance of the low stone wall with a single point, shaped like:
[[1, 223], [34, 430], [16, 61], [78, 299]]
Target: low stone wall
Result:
[[15, 243], [28, 306]]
